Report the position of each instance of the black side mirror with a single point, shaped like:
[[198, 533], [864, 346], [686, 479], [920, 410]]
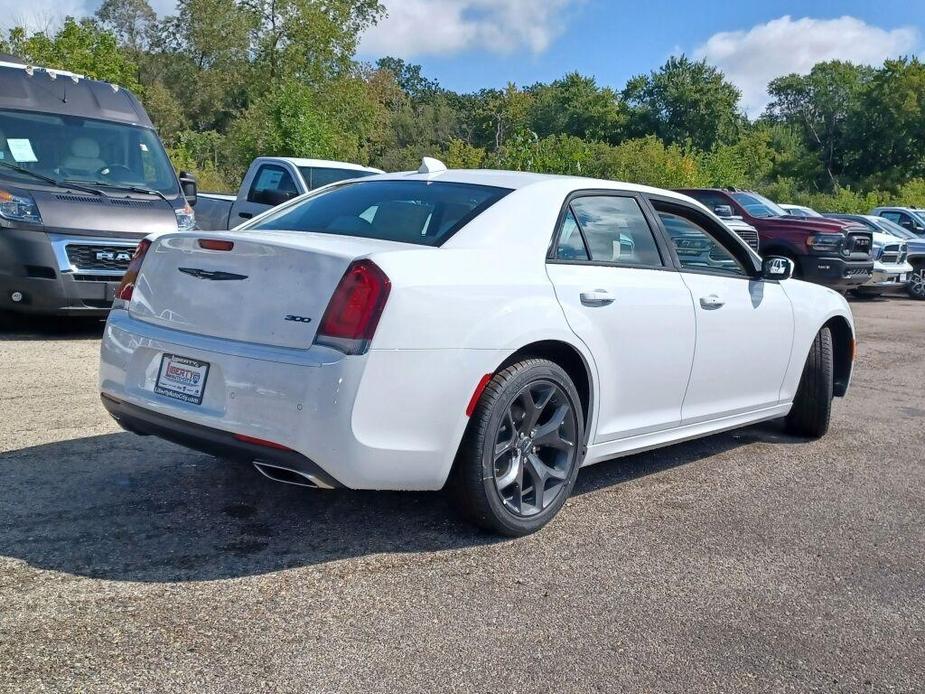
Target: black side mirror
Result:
[[723, 210], [775, 267], [189, 186]]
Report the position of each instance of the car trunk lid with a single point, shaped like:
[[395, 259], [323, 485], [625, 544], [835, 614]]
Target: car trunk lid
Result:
[[269, 288]]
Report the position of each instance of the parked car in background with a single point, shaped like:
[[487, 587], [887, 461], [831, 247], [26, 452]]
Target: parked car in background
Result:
[[492, 330], [800, 210], [270, 181], [915, 248], [746, 231], [832, 252], [908, 218], [83, 177]]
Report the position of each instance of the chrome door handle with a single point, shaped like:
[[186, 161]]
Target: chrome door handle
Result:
[[598, 297], [711, 302]]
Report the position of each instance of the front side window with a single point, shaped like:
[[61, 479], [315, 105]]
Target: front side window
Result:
[[420, 212], [272, 185], [608, 229], [83, 150], [697, 249]]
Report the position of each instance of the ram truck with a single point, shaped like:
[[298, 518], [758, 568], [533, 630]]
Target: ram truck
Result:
[[834, 253], [271, 181]]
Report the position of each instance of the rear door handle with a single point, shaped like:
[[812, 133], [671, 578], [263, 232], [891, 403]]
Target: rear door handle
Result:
[[597, 297], [711, 302], [245, 215]]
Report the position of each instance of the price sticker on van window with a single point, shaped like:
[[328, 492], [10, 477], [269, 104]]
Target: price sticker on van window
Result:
[[21, 149]]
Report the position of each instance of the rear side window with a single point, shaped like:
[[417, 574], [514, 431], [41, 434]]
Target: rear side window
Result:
[[316, 176], [421, 212], [272, 185], [607, 229]]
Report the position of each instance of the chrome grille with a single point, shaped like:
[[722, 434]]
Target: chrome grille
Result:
[[99, 257], [750, 237]]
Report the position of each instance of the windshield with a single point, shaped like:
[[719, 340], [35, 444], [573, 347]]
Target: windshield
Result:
[[891, 227], [758, 205], [421, 212], [84, 150]]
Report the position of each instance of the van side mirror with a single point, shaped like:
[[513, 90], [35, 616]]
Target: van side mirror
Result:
[[775, 267], [189, 186], [723, 210]]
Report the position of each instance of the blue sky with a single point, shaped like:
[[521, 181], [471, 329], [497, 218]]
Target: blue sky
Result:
[[469, 44]]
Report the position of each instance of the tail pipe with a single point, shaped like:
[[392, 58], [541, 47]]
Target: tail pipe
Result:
[[289, 476]]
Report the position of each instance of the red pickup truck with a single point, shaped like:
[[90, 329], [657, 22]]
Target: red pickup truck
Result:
[[826, 251]]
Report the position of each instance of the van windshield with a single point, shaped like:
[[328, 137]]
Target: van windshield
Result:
[[84, 150], [421, 212]]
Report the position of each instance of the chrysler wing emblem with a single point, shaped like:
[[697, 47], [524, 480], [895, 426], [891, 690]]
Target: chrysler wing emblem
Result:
[[200, 274]]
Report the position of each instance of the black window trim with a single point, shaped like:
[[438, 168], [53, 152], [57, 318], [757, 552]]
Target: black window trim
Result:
[[647, 213], [726, 238], [270, 165]]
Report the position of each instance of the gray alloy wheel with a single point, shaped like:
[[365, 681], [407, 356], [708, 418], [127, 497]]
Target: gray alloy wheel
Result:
[[916, 286], [535, 448], [519, 458]]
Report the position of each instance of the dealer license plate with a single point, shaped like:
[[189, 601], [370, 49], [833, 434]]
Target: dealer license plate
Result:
[[182, 378]]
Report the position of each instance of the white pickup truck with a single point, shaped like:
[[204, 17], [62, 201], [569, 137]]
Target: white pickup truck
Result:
[[269, 182]]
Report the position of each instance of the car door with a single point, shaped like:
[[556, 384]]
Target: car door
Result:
[[613, 278], [272, 185], [744, 323]]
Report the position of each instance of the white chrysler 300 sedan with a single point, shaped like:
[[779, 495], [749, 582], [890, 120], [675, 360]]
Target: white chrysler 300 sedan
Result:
[[487, 330]]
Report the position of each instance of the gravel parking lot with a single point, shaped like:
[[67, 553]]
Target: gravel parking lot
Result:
[[747, 560]]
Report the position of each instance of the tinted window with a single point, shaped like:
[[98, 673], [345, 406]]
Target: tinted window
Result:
[[710, 199], [272, 186], [614, 230], [696, 248], [316, 176], [420, 212], [571, 245]]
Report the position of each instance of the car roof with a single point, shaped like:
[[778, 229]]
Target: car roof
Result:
[[34, 89], [516, 180]]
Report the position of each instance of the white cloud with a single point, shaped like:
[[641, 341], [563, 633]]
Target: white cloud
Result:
[[785, 45], [444, 27]]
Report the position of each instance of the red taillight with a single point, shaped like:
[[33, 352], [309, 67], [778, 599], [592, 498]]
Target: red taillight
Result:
[[216, 244], [127, 286], [261, 442], [353, 312]]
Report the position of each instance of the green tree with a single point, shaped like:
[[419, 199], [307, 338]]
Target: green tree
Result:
[[131, 21], [575, 105], [821, 105], [684, 101], [78, 46]]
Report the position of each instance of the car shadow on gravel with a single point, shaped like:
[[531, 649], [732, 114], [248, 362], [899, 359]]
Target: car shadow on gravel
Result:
[[122, 507], [19, 328]]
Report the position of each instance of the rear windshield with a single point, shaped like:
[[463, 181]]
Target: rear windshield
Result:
[[317, 176], [421, 212]]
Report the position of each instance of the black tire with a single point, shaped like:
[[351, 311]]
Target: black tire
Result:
[[866, 293], [916, 286], [812, 406], [505, 451]]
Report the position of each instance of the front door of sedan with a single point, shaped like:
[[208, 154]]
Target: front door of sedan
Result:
[[744, 324], [620, 296]]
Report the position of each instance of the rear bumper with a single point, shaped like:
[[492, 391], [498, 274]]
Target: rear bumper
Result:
[[212, 441], [390, 419], [836, 272], [33, 270]]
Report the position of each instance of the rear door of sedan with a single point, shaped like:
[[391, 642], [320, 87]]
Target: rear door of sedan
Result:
[[614, 279], [744, 323]]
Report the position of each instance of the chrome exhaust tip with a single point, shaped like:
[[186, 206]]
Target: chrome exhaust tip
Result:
[[289, 476]]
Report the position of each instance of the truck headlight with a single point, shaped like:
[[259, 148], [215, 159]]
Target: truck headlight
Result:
[[825, 242], [19, 208], [877, 250], [186, 218]]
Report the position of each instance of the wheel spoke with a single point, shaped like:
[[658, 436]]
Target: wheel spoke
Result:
[[549, 434], [536, 470], [513, 472]]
